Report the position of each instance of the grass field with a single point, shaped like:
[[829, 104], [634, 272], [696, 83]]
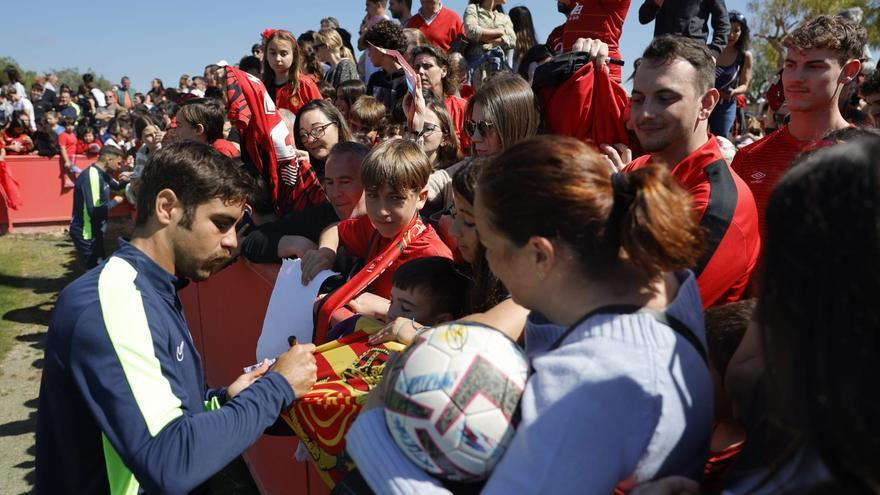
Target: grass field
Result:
[[33, 269]]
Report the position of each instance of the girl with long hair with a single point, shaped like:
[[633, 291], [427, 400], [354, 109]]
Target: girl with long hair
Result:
[[282, 64], [524, 28], [330, 50]]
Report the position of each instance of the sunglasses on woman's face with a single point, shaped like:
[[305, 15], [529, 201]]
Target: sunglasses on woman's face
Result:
[[471, 127]]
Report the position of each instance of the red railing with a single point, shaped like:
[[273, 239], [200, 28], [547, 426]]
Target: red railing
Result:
[[45, 202], [225, 315]]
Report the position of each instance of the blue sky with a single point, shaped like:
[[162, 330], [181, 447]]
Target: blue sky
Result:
[[165, 39]]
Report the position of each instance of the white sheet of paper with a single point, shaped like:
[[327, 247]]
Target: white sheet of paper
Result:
[[290, 310]]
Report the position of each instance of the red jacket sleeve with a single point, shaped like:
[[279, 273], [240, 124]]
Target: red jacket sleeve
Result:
[[589, 106]]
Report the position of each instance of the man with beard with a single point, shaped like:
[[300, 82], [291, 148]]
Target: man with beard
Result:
[[673, 95], [400, 10], [123, 405], [601, 21]]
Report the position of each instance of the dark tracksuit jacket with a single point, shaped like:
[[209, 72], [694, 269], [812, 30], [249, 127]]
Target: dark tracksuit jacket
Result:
[[689, 18], [123, 407], [91, 204]]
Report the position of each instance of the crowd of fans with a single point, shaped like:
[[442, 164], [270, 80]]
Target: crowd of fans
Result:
[[562, 198]]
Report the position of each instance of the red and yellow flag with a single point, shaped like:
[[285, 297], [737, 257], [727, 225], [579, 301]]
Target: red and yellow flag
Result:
[[348, 369]]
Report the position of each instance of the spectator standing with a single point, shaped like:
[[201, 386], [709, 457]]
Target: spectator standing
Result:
[[491, 37], [52, 82], [689, 18], [41, 100], [97, 93], [184, 83], [22, 105], [257, 51], [65, 107], [125, 95], [401, 10], [110, 110], [375, 13], [676, 136], [156, 92], [329, 50], [524, 28], [440, 24], [14, 78], [389, 84], [733, 72]]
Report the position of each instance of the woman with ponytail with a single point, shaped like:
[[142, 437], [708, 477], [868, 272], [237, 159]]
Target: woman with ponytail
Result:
[[620, 391], [282, 61]]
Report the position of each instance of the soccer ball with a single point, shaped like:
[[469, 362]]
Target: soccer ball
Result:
[[452, 399]]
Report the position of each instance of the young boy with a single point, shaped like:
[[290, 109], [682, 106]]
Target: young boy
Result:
[[426, 292], [202, 120], [365, 118], [67, 145], [395, 176]]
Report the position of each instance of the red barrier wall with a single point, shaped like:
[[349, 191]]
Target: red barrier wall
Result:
[[225, 315], [45, 202]]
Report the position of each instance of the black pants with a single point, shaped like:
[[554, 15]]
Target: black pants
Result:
[[89, 252]]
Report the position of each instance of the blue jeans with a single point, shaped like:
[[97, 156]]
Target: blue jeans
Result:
[[721, 120]]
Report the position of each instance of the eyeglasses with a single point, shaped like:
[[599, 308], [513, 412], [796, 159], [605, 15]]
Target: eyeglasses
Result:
[[471, 127], [315, 133]]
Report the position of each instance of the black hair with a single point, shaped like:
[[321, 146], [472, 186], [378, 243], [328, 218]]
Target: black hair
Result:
[[440, 278], [725, 327], [818, 313], [251, 64], [208, 112], [664, 49], [745, 37], [534, 54], [386, 34], [197, 173]]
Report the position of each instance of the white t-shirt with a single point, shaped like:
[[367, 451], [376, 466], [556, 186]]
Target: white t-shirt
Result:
[[99, 97]]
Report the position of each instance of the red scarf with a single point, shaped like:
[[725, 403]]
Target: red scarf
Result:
[[365, 277], [9, 188], [266, 136]]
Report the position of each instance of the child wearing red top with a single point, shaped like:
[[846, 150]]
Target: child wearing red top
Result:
[[67, 144], [87, 144], [281, 71], [395, 176], [441, 28]]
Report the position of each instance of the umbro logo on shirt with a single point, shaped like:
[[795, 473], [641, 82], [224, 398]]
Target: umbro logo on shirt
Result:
[[180, 352], [757, 177]]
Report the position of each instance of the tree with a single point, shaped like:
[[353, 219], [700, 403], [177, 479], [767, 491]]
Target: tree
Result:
[[70, 76]]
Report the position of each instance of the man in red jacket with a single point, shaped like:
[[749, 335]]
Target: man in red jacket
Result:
[[439, 24], [673, 96]]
